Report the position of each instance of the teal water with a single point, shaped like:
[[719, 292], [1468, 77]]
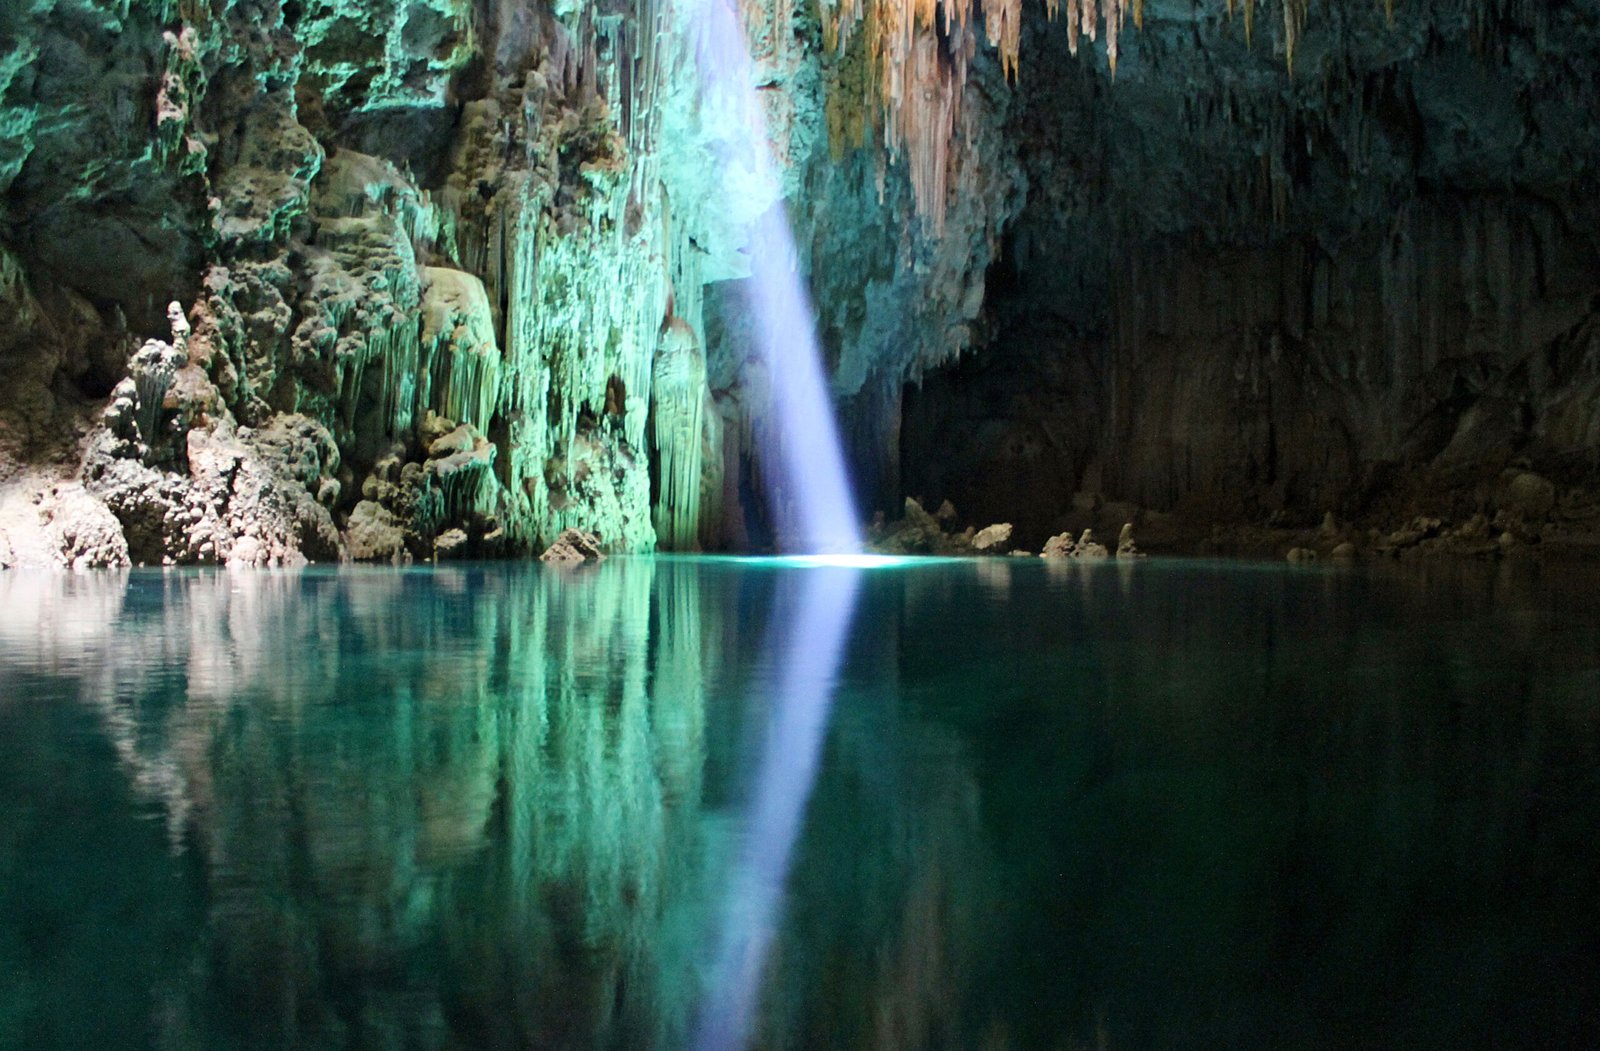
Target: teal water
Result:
[[1166, 805]]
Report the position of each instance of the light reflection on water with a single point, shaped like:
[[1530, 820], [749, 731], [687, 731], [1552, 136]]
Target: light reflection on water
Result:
[[1181, 805]]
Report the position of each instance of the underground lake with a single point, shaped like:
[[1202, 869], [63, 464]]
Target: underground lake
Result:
[[685, 802]]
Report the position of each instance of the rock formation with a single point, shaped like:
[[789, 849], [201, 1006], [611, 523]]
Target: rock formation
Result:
[[574, 545], [993, 540], [921, 533], [1178, 258], [1127, 547], [1250, 296]]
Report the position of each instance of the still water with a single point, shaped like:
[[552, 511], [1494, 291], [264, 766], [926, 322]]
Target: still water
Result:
[[677, 802]]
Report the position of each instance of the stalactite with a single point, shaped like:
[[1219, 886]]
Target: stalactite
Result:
[[677, 423], [461, 359], [153, 369], [1002, 21], [924, 118], [400, 347], [1111, 11], [579, 255], [466, 491], [1294, 15], [889, 64]]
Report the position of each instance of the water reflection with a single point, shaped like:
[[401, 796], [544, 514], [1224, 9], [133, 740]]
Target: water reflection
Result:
[[505, 807], [811, 643], [430, 807]]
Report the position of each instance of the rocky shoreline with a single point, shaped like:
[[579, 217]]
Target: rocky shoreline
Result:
[[1515, 515], [246, 505]]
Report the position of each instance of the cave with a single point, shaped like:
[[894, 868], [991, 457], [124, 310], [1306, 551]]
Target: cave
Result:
[[735, 524]]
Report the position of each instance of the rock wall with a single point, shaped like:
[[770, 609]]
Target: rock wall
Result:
[[1368, 286], [462, 253], [420, 258], [453, 277]]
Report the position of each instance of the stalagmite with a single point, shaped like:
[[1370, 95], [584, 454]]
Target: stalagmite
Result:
[[153, 368]]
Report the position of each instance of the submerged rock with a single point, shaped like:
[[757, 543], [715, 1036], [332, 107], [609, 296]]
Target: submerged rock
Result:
[[574, 545]]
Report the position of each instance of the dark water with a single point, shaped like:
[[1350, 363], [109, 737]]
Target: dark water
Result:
[[1161, 806]]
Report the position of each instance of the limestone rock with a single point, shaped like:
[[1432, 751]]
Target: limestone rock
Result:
[[374, 535], [1126, 545], [47, 523], [1085, 547], [1525, 494], [993, 540], [572, 546], [225, 495], [462, 439], [433, 428], [1059, 546], [1090, 548], [452, 543], [917, 533]]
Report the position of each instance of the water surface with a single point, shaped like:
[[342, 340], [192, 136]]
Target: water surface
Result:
[[992, 805]]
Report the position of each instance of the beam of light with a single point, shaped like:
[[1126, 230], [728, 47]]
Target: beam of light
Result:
[[790, 752], [809, 492]]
